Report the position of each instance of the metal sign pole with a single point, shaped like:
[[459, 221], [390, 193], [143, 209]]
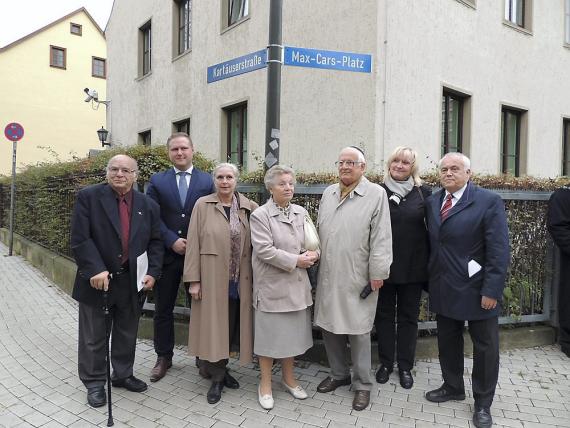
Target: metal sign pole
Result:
[[12, 198]]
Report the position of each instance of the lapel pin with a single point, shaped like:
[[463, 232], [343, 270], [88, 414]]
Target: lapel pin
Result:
[[140, 213]]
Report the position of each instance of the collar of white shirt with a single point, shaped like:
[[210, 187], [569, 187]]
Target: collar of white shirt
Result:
[[455, 196], [189, 170]]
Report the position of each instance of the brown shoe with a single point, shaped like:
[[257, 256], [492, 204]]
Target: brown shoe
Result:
[[160, 368], [330, 384], [361, 399]]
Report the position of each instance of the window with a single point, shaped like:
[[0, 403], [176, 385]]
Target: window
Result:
[[98, 67], [145, 43], [566, 147], [144, 138], [183, 26], [181, 126], [75, 29], [57, 57], [237, 135], [519, 12], [237, 10], [511, 127], [455, 121], [567, 22]]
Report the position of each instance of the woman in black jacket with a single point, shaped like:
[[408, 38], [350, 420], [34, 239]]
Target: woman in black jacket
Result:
[[399, 299]]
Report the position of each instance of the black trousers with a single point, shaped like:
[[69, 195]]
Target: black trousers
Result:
[[397, 323], [165, 293], [485, 337], [564, 314], [92, 335]]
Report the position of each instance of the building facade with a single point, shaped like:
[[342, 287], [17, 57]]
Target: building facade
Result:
[[489, 79], [42, 77]]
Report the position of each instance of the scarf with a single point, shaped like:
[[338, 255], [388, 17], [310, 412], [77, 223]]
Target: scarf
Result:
[[401, 188], [283, 210], [345, 190], [235, 240]]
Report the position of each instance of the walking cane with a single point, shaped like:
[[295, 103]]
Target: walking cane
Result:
[[110, 422]]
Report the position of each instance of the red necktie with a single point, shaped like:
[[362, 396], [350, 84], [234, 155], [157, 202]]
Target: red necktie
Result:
[[446, 207], [125, 228]]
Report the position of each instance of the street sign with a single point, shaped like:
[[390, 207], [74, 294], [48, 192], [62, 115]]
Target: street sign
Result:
[[237, 66], [333, 60], [14, 131]]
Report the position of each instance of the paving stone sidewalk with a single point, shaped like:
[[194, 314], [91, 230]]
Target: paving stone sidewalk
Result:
[[39, 386]]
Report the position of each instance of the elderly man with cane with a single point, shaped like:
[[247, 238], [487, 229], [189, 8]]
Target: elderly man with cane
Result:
[[115, 238]]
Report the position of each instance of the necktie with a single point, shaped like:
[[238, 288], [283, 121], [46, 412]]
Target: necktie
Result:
[[446, 207], [125, 228], [182, 186]]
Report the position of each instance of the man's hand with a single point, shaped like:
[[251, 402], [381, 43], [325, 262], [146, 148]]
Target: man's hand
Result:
[[100, 281], [179, 246], [488, 303], [148, 282], [195, 290], [376, 284]]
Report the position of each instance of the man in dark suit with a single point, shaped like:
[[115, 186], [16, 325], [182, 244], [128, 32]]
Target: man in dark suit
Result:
[[468, 264], [558, 222], [112, 226], [176, 191]]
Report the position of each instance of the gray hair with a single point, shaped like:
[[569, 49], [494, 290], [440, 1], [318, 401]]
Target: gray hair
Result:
[[136, 165], [231, 166], [361, 157], [465, 159], [413, 155], [277, 171]]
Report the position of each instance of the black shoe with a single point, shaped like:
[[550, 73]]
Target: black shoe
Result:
[[443, 394], [482, 417], [131, 384], [406, 379], [96, 396], [215, 392], [383, 374], [330, 384], [230, 382]]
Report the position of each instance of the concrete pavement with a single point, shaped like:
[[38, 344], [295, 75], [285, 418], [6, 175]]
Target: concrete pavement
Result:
[[39, 386]]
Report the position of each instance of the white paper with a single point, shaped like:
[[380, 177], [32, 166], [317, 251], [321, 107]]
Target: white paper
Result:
[[473, 267], [142, 269]]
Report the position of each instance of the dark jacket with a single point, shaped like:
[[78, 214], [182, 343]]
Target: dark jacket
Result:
[[475, 229], [410, 246], [175, 218], [96, 239]]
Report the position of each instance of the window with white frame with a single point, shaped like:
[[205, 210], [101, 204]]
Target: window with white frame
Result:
[[237, 10], [519, 13]]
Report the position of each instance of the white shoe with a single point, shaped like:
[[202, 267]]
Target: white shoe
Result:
[[266, 401], [297, 392]]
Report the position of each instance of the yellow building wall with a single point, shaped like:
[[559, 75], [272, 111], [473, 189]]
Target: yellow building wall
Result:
[[49, 102]]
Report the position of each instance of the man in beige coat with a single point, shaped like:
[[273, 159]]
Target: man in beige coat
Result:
[[356, 250]]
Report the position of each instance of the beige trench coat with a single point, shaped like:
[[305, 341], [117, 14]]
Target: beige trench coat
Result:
[[207, 261], [356, 246], [278, 284]]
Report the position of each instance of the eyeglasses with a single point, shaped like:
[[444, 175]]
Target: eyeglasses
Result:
[[348, 163], [114, 170]]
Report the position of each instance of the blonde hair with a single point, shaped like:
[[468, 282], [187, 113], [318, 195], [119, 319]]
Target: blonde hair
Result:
[[403, 151]]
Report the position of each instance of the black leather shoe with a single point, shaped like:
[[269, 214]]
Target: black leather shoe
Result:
[[406, 379], [330, 384], [131, 384], [383, 374], [215, 392], [230, 382], [443, 394], [482, 417], [96, 396]]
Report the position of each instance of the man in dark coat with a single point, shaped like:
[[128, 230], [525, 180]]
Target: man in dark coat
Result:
[[558, 222], [176, 190], [468, 264], [113, 226]]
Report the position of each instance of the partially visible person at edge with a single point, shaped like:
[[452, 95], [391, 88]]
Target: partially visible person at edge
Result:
[[356, 251], [558, 222], [281, 288], [218, 273], [176, 190], [112, 225], [469, 257], [399, 299]]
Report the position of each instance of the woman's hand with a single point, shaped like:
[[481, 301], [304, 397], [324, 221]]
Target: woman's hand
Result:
[[314, 255], [306, 260], [195, 290]]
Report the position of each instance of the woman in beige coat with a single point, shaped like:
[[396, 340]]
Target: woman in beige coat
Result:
[[281, 288], [217, 272]]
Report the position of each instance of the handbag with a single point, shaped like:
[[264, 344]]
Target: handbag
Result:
[[312, 241]]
